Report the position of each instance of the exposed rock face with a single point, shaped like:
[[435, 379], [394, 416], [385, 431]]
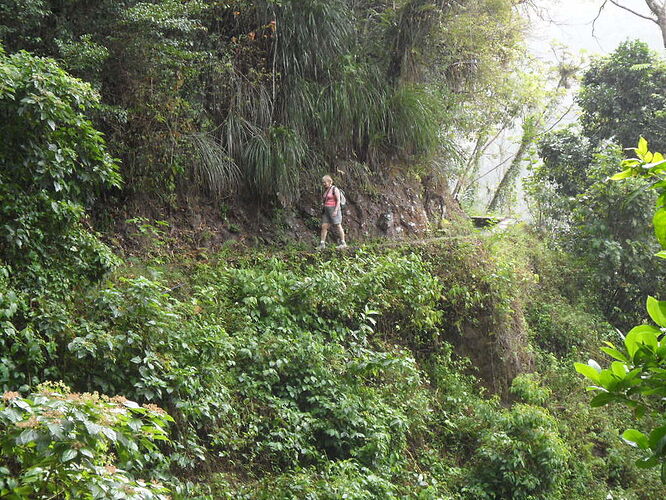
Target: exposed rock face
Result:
[[395, 207], [497, 345]]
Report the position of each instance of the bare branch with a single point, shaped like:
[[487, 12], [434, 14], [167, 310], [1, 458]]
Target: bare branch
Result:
[[594, 21], [491, 170], [558, 120], [615, 2]]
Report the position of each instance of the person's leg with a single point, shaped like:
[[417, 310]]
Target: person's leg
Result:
[[324, 233], [341, 234]]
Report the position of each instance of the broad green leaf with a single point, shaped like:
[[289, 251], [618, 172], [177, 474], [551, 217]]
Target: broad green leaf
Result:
[[643, 334], [619, 369], [27, 436], [658, 157], [22, 404], [55, 429], [639, 411], [657, 311], [622, 175], [68, 455], [656, 437], [655, 166], [661, 350], [648, 157], [614, 353], [633, 374], [655, 391], [608, 380], [135, 424], [92, 428], [661, 254], [602, 399], [642, 148], [587, 371], [636, 438], [659, 222], [109, 433]]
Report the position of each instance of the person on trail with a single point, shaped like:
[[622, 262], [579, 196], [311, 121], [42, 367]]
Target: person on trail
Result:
[[331, 213]]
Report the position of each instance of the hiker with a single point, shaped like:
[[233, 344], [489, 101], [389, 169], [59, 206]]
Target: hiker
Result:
[[331, 212]]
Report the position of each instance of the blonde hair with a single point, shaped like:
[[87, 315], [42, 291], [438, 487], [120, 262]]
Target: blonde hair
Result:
[[327, 178]]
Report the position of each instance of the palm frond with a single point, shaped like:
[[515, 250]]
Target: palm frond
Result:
[[310, 34], [408, 35], [337, 117], [272, 162], [214, 169], [413, 122]]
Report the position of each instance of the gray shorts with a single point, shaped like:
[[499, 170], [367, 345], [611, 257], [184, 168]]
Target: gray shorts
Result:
[[327, 216]]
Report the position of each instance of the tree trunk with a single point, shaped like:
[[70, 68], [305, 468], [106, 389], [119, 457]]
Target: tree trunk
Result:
[[508, 180], [659, 10], [472, 166]]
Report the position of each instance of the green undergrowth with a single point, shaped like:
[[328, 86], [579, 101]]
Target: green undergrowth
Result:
[[317, 376]]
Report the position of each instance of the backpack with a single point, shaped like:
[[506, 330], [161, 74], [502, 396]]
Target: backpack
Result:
[[342, 197]]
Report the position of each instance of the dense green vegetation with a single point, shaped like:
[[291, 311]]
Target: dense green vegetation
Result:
[[606, 225], [441, 370], [266, 96], [635, 378], [297, 376]]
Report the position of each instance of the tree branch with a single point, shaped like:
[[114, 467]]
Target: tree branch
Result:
[[616, 3], [594, 21]]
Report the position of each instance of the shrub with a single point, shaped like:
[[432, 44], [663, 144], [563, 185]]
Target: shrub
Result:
[[52, 164], [520, 456], [57, 444], [527, 388]]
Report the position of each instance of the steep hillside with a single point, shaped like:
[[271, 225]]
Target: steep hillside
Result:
[[434, 371], [398, 207]]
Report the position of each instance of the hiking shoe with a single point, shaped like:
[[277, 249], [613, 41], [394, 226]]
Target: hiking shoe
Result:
[[321, 246], [342, 245]]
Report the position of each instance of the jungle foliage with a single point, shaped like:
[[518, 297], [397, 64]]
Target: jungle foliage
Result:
[[635, 379], [310, 377], [606, 225], [256, 374], [261, 376], [264, 95]]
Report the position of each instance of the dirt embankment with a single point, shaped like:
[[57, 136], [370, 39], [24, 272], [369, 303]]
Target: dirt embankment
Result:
[[394, 207]]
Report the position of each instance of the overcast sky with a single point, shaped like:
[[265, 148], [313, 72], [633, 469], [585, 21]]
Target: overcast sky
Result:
[[571, 24]]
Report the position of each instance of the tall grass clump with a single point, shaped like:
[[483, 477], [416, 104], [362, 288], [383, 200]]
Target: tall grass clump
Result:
[[274, 159], [324, 87], [215, 170]]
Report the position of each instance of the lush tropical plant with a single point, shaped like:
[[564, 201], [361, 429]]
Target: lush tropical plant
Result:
[[221, 96], [636, 377], [58, 444], [604, 225], [520, 456], [52, 165]]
